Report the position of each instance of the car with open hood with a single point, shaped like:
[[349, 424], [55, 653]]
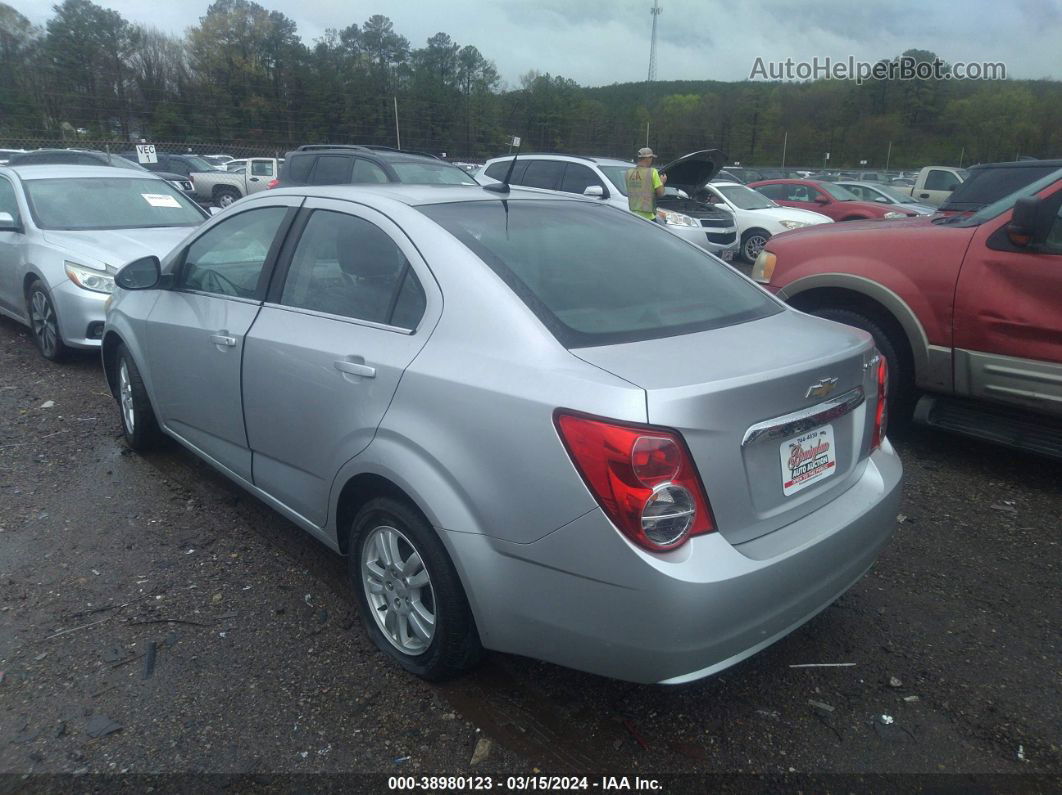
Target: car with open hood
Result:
[[605, 179]]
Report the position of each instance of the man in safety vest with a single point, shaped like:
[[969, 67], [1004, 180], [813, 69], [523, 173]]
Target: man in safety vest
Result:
[[644, 185]]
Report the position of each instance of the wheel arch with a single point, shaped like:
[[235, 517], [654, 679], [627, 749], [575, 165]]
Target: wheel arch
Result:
[[109, 353], [845, 291]]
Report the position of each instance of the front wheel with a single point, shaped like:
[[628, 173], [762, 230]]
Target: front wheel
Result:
[[139, 426], [410, 598], [901, 392], [752, 243], [44, 323]]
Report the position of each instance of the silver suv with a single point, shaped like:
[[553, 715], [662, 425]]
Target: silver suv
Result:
[[521, 442], [605, 179]]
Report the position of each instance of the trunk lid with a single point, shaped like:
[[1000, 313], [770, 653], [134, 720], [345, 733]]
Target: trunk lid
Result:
[[741, 395]]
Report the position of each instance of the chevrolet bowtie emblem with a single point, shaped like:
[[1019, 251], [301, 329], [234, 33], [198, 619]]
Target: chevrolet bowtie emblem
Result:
[[822, 388]]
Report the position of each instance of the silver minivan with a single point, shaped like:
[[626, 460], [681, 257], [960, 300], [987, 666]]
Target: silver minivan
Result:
[[534, 424]]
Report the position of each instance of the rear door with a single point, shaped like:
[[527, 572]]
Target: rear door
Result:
[[1008, 318], [352, 304], [195, 331]]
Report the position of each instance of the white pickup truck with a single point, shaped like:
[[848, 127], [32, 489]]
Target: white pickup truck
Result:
[[224, 187], [934, 184]]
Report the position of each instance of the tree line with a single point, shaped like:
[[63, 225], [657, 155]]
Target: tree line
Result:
[[243, 76]]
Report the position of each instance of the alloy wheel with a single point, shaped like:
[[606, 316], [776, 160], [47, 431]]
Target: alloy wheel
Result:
[[398, 589], [125, 394], [753, 246], [44, 322]]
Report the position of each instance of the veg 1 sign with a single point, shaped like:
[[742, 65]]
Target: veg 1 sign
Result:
[[145, 153]]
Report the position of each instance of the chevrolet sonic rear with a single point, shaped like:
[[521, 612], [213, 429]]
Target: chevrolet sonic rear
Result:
[[595, 445]]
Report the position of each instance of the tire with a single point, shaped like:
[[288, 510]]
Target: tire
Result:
[[393, 610], [752, 242], [902, 392], [139, 426], [223, 197], [44, 323]]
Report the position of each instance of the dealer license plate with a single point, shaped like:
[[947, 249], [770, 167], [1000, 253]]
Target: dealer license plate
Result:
[[726, 255], [807, 459]]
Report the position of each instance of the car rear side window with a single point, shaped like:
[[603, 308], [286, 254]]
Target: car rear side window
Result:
[[501, 168], [228, 259], [543, 174], [332, 170], [366, 171], [298, 169], [344, 265], [595, 275], [772, 191]]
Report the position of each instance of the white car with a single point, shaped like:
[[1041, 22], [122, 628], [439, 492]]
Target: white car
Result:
[[757, 218]]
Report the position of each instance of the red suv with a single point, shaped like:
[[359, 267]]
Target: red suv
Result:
[[838, 203], [966, 309]]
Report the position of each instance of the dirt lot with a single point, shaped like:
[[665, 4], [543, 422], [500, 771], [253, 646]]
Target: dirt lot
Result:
[[155, 618]]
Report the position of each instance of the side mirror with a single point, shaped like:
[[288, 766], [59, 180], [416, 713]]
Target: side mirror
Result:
[[214, 209], [595, 190], [8, 223], [1030, 223], [140, 274]]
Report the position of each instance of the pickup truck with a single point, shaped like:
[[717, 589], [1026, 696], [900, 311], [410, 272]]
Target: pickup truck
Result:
[[224, 187], [934, 184], [965, 308]]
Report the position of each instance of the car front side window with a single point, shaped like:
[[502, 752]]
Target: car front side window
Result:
[[230, 257], [8, 201], [346, 266]]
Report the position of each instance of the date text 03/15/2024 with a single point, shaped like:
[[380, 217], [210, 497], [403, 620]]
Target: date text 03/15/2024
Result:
[[524, 783]]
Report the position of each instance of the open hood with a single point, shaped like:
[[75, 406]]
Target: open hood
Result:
[[694, 169]]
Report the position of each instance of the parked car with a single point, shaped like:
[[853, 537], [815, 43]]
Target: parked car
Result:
[[90, 157], [742, 174], [6, 155], [990, 182], [224, 187], [967, 309], [185, 164], [827, 198], [933, 184], [757, 217], [520, 442], [325, 164], [883, 194], [219, 161], [605, 179], [65, 230], [901, 182]]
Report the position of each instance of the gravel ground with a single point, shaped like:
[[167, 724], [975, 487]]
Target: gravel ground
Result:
[[155, 618]]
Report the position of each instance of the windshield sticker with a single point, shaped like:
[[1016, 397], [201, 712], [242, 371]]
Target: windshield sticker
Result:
[[161, 200]]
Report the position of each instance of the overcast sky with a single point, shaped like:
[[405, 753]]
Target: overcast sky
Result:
[[597, 42]]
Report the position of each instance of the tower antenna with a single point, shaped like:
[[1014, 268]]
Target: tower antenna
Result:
[[656, 10]]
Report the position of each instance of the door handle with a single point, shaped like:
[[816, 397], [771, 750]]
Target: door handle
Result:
[[221, 339], [364, 370], [924, 195], [253, 179]]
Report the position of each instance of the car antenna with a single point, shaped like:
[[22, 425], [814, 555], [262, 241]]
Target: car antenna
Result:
[[503, 186]]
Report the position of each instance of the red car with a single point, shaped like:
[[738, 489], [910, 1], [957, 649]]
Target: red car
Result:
[[966, 309], [838, 203]]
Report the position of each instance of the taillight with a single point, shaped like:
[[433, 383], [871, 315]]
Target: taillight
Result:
[[272, 184], [881, 415], [642, 477]]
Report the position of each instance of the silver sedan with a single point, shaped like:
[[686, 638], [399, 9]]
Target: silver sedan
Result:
[[64, 230], [533, 424]]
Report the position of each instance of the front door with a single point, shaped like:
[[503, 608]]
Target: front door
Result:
[[1008, 321], [195, 331], [12, 247], [325, 355]]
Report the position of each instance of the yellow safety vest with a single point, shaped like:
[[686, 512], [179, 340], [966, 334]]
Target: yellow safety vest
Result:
[[641, 196]]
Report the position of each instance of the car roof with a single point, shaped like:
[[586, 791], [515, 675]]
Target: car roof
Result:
[[1054, 163], [727, 184], [57, 170], [861, 183], [601, 161], [380, 153], [414, 195]]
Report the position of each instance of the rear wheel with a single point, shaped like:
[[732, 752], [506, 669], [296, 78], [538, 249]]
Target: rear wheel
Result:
[[411, 600], [44, 322], [752, 243], [901, 375], [139, 426]]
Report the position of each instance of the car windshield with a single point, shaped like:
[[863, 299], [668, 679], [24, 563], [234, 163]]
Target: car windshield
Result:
[[595, 275], [745, 198], [108, 203], [617, 175], [839, 193], [427, 173]]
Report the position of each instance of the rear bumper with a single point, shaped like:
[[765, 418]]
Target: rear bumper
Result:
[[584, 598]]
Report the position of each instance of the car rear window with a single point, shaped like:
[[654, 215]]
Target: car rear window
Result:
[[595, 275]]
